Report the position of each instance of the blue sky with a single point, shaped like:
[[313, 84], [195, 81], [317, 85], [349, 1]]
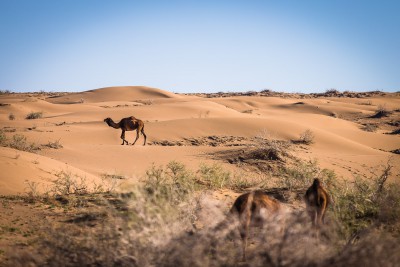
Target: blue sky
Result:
[[200, 46]]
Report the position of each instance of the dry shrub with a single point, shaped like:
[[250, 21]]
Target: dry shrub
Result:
[[34, 115], [3, 138], [370, 127], [306, 137], [54, 144], [270, 148], [381, 111], [367, 202], [19, 142], [11, 117]]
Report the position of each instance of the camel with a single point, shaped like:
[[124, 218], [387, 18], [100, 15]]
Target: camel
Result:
[[317, 200], [251, 208], [128, 124]]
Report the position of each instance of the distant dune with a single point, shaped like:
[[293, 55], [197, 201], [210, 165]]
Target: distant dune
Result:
[[118, 93]]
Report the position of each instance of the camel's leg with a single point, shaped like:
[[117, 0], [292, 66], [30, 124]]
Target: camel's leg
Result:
[[144, 135], [137, 136], [123, 138], [323, 214], [320, 215]]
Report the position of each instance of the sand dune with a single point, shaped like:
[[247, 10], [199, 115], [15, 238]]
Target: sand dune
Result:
[[91, 148], [120, 93]]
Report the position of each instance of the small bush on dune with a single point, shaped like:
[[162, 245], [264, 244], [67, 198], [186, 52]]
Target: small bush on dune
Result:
[[54, 144], [11, 117], [269, 148], [34, 115], [306, 137]]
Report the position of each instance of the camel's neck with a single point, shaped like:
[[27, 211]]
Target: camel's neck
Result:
[[111, 123]]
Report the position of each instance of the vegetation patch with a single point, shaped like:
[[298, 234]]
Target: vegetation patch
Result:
[[11, 116], [370, 127]]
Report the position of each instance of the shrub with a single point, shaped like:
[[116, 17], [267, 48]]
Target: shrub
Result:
[[34, 115], [269, 148], [381, 111], [369, 127], [367, 202], [172, 184], [332, 91], [5, 92], [307, 137], [3, 138], [67, 184], [214, 176], [300, 175], [11, 117], [55, 144]]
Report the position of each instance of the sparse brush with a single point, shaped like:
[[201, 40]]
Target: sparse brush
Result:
[[19, 142], [11, 117], [34, 115]]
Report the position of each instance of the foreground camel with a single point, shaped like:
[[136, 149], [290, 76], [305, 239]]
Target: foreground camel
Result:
[[252, 209], [317, 200], [128, 124]]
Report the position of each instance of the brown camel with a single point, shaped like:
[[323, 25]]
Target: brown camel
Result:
[[251, 208], [128, 124], [317, 200]]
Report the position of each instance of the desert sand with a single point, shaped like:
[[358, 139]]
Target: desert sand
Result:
[[91, 149]]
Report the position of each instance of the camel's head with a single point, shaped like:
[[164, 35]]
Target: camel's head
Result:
[[107, 120]]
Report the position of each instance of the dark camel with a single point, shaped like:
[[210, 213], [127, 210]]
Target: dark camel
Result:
[[317, 200], [128, 124], [251, 209]]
